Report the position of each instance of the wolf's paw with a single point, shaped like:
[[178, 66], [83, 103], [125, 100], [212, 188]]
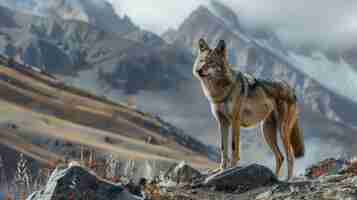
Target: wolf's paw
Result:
[[216, 170], [234, 163], [222, 167], [279, 173]]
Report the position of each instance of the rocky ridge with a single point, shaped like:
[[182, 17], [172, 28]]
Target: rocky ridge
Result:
[[247, 182]]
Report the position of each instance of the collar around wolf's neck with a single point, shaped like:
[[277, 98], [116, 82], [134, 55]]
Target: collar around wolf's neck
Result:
[[228, 92]]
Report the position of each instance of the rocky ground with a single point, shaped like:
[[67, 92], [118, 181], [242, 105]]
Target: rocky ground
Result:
[[181, 182], [328, 187]]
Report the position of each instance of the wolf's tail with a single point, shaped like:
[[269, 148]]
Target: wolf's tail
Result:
[[297, 140]]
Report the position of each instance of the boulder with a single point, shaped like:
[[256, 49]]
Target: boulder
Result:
[[182, 173], [350, 169], [76, 183], [326, 167], [241, 179]]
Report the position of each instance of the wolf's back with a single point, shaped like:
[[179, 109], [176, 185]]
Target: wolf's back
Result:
[[279, 90]]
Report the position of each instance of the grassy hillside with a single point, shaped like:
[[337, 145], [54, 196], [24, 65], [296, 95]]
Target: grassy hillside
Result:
[[38, 104]]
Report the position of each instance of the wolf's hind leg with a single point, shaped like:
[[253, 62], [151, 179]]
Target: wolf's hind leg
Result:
[[270, 130], [288, 120]]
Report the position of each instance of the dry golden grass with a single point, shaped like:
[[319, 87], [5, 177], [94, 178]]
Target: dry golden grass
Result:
[[41, 92], [79, 117], [38, 124]]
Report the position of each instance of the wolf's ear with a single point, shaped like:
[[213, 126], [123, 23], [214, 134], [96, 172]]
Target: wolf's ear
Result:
[[221, 48], [203, 46]]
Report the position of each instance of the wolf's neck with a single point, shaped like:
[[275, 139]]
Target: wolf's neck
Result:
[[217, 90]]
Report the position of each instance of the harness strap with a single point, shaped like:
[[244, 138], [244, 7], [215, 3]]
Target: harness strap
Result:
[[245, 87]]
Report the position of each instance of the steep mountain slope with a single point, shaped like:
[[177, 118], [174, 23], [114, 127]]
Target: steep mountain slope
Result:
[[39, 85], [43, 118]]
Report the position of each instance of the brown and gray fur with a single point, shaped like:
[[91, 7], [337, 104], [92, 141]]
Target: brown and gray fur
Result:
[[236, 105]]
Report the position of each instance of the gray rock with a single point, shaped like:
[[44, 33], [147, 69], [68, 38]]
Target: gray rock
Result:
[[241, 179], [77, 183], [182, 173]]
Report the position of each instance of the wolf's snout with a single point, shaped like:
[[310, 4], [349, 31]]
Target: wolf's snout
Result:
[[201, 73]]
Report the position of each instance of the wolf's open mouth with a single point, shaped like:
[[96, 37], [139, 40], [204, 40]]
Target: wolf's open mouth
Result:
[[203, 73]]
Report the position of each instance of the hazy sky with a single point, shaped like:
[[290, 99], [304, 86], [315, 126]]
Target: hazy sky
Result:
[[157, 15], [319, 21]]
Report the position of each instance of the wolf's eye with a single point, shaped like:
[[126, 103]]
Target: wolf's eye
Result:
[[203, 59], [212, 64]]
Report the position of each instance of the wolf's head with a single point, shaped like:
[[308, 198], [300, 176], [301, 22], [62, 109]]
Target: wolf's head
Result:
[[212, 64], [213, 70]]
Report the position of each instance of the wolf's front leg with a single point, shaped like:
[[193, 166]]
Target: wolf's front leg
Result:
[[224, 131], [235, 142]]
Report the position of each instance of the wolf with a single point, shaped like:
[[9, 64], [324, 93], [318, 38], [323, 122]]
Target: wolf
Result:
[[238, 100]]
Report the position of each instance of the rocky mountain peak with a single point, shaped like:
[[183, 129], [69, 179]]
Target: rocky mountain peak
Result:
[[99, 13], [202, 14], [201, 23], [225, 13]]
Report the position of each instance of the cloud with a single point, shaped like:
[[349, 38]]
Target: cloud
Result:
[[316, 22], [322, 22]]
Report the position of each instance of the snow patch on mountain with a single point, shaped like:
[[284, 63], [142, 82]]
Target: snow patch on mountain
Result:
[[71, 9]]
